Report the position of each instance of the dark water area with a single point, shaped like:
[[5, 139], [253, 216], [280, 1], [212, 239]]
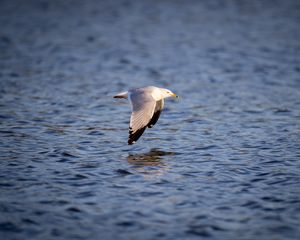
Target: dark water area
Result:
[[223, 162]]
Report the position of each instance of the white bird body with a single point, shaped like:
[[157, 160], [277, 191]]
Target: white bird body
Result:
[[147, 104]]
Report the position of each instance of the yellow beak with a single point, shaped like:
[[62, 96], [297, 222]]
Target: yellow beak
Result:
[[174, 95]]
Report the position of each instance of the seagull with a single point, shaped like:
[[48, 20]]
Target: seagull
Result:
[[147, 104]]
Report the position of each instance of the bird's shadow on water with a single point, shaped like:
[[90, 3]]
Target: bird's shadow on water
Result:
[[152, 158]]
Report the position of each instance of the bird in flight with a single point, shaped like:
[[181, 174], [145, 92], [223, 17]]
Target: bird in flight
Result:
[[147, 104]]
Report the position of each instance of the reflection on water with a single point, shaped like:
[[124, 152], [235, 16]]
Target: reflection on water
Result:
[[151, 158], [151, 162]]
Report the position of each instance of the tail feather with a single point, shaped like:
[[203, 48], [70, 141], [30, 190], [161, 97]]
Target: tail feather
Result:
[[121, 95]]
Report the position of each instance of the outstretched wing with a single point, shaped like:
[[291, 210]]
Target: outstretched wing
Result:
[[143, 107], [158, 108]]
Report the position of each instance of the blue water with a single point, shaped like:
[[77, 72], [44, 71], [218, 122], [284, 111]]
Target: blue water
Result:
[[223, 161]]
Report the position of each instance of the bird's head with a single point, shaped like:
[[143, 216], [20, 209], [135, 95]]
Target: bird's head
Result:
[[168, 93]]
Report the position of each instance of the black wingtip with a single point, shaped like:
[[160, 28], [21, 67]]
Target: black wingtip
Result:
[[131, 142], [133, 137]]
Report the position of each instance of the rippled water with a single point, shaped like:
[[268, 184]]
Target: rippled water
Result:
[[223, 162]]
